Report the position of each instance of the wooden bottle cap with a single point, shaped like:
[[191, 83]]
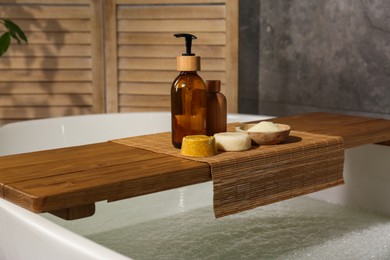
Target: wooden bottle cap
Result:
[[188, 63]]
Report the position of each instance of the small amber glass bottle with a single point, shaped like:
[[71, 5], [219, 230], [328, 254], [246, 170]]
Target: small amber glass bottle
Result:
[[188, 98], [216, 119]]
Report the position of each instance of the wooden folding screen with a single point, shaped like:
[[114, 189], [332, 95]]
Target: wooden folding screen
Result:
[[141, 48], [79, 61], [61, 71]]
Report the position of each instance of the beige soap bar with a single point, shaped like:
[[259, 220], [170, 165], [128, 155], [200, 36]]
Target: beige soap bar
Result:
[[232, 141]]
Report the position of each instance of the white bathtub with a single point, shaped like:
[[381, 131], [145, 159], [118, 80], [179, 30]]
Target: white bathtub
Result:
[[179, 223]]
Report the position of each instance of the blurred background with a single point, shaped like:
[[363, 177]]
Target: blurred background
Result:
[[305, 56], [274, 57]]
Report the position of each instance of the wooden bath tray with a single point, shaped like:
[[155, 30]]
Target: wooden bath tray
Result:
[[68, 181]]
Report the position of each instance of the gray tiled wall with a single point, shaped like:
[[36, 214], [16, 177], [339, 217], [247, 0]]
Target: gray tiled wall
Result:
[[327, 55]]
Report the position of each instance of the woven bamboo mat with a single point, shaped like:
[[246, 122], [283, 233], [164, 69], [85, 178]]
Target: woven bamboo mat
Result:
[[305, 163]]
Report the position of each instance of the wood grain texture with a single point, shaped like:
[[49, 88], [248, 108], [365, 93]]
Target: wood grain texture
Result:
[[46, 63], [23, 113], [27, 100], [157, 2], [355, 130], [98, 57], [43, 1], [75, 212], [46, 11], [146, 49], [162, 38], [111, 50], [76, 176], [45, 87], [158, 12], [68, 44], [70, 177], [232, 36], [65, 49], [65, 25]]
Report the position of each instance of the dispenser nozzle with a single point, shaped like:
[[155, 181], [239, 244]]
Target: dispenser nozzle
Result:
[[189, 38]]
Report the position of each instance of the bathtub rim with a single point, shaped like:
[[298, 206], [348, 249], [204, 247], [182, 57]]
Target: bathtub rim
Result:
[[120, 114], [53, 232]]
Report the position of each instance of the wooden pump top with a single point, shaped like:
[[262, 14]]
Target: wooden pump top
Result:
[[188, 63]]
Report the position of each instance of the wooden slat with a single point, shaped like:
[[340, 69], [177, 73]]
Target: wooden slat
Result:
[[44, 2], [45, 87], [162, 76], [8, 62], [147, 63], [164, 38], [111, 51], [148, 88], [142, 2], [97, 52], [170, 51], [45, 75], [146, 76], [232, 36], [171, 12], [110, 183], [123, 109], [145, 100], [24, 113], [72, 159], [78, 159], [39, 25], [145, 88], [170, 26], [45, 12], [24, 100], [75, 212], [39, 50], [59, 38], [111, 163], [355, 130], [166, 64]]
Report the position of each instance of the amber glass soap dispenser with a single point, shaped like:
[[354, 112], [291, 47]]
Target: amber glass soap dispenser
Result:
[[188, 96]]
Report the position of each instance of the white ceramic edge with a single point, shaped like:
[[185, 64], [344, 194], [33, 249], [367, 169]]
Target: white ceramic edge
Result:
[[51, 240]]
